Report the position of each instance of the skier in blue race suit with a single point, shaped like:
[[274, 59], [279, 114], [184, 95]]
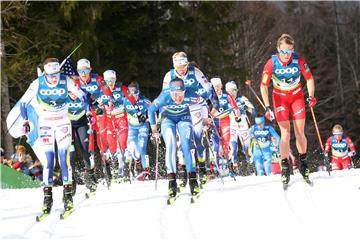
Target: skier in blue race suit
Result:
[[260, 144], [195, 80], [175, 116], [138, 134], [51, 92]]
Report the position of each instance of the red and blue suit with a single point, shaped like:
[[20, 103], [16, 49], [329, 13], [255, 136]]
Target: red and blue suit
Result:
[[340, 158], [288, 96]]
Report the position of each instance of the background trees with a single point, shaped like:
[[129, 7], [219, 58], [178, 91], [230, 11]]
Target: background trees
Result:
[[230, 39]]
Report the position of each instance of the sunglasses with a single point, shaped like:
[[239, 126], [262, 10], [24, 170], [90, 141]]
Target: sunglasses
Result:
[[177, 93], [233, 91], [53, 75], [282, 51], [337, 134], [83, 71], [110, 80]]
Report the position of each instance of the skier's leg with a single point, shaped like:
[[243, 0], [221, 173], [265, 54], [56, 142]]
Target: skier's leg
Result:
[[267, 161]]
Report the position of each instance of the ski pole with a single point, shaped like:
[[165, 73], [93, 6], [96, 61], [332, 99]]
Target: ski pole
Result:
[[248, 83], [157, 162], [213, 154], [319, 137]]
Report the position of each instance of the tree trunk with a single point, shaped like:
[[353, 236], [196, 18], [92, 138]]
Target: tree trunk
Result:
[[6, 140], [338, 59]]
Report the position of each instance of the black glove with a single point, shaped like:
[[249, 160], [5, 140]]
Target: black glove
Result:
[[142, 118], [238, 119]]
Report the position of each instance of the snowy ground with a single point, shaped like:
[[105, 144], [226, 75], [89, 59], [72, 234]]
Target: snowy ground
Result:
[[249, 208]]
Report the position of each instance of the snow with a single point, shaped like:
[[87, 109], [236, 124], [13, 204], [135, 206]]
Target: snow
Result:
[[249, 208]]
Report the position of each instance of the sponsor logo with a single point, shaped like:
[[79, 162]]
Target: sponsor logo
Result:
[[300, 111], [74, 105], [223, 101], [280, 108], [91, 88], [62, 82], [339, 145], [189, 81], [292, 70], [306, 67], [45, 128], [261, 132], [45, 140], [131, 107], [181, 106], [48, 92], [117, 95], [201, 91]]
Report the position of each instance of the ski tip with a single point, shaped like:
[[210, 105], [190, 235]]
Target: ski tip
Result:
[[37, 219]]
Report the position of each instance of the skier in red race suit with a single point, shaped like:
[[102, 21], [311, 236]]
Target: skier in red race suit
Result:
[[285, 70], [339, 144]]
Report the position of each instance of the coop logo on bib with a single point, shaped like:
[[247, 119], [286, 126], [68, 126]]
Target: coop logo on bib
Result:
[[48, 92], [292, 70]]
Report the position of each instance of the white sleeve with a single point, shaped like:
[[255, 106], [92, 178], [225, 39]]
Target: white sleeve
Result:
[[166, 81], [31, 91], [203, 80], [73, 88], [247, 102]]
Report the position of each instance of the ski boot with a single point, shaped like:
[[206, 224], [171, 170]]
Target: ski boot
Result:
[[48, 200], [90, 182], [68, 201], [194, 186], [126, 172], [172, 188], [303, 167], [285, 172], [202, 174], [183, 178], [108, 174], [74, 176]]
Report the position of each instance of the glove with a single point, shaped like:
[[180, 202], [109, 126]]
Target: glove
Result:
[[352, 154], [142, 118], [206, 124], [243, 107], [327, 164], [238, 119], [269, 114], [311, 101], [26, 127]]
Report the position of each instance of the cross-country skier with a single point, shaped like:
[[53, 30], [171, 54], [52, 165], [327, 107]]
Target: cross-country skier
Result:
[[51, 91], [137, 114], [221, 135], [259, 150], [239, 129], [114, 139], [339, 144], [195, 80], [285, 70], [95, 87], [80, 130], [175, 116]]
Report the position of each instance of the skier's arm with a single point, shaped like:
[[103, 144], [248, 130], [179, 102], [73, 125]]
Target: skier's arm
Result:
[[28, 96], [275, 135], [350, 144]]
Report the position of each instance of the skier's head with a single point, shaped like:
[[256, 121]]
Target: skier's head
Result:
[[133, 90], [285, 47], [180, 63], [110, 78], [260, 121], [177, 90], [337, 131], [52, 70], [84, 69], [231, 88], [217, 84], [72, 95]]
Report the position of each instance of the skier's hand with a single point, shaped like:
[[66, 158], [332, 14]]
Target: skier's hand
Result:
[[26, 127], [238, 119], [311, 101], [155, 133], [327, 163], [269, 114], [352, 154]]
